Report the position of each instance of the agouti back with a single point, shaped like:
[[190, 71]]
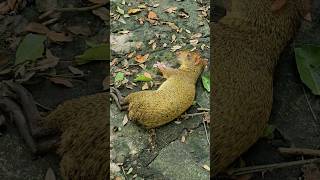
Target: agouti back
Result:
[[84, 137], [246, 45], [172, 98]]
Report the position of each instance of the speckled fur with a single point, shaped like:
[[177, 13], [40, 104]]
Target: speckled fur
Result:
[[174, 96], [84, 138], [246, 46]]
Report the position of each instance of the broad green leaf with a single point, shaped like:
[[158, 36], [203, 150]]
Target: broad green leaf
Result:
[[119, 77], [143, 78], [206, 82], [31, 48], [308, 63], [100, 52]]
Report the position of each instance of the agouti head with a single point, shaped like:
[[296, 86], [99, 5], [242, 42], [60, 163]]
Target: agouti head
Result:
[[268, 15], [191, 62]]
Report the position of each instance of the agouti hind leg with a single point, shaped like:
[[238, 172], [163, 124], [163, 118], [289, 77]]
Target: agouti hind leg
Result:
[[117, 97]]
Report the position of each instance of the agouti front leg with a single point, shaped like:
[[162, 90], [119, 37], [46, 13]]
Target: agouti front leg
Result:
[[117, 97], [26, 116], [167, 71]]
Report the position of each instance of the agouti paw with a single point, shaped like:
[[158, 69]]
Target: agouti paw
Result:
[[159, 65]]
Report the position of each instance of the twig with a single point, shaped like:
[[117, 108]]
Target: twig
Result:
[[203, 109], [124, 173], [50, 21], [300, 151], [193, 114], [205, 129], [43, 106], [253, 169], [310, 107]]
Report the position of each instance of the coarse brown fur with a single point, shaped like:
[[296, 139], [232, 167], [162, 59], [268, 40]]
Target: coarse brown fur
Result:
[[246, 45], [173, 97], [84, 137]]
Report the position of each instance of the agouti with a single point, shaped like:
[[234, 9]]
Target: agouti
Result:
[[84, 137], [172, 98], [246, 45]]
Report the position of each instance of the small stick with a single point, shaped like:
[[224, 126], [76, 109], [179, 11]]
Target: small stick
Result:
[[203, 109], [124, 173], [299, 151], [205, 129], [50, 21], [193, 114], [253, 169]]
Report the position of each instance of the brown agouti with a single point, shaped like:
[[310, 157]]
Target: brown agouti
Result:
[[172, 98], [246, 45]]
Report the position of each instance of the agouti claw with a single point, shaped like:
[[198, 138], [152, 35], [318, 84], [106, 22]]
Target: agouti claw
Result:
[[117, 97]]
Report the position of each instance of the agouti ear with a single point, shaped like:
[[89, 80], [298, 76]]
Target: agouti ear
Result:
[[306, 10], [277, 5]]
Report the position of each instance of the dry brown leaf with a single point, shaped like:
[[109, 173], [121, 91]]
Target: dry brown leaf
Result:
[[37, 28], [172, 26], [206, 167], [170, 10], [59, 37], [80, 30], [141, 59], [152, 15], [102, 13], [12, 4], [61, 81], [148, 75], [278, 5], [132, 11]]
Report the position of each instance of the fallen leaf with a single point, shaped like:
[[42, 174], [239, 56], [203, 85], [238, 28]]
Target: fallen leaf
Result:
[[147, 75], [75, 71], [183, 139], [143, 78], [119, 77], [31, 48], [102, 13], [132, 11], [130, 170], [175, 48], [152, 15], [194, 42], [206, 82], [170, 10], [125, 120], [120, 11], [61, 81], [37, 28], [59, 37], [172, 26], [141, 59], [99, 52], [12, 4], [80, 30], [50, 175], [145, 86], [206, 167], [4, 8], [196, 36]]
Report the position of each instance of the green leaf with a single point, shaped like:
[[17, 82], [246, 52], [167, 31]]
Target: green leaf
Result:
[[120, 11], [119, 77], [206, 82], [308, 63], [268, 132], [142, 78], [99, 52], [31, 48]]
